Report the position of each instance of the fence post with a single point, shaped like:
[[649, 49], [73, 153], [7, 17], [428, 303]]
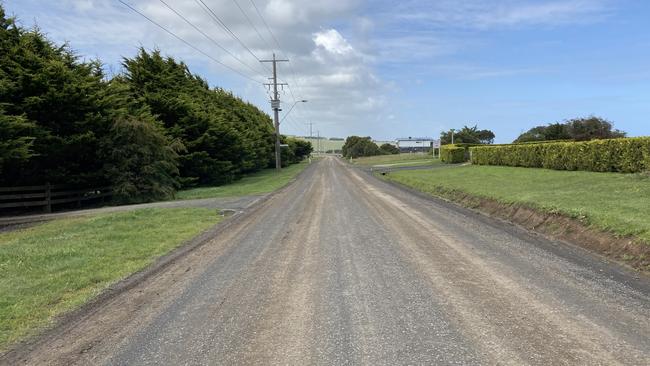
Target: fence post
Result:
[[48, 198]]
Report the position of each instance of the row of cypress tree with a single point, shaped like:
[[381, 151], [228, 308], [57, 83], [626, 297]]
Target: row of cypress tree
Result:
[[146, 132]]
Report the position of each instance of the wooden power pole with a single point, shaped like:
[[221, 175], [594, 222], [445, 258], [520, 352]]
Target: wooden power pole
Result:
[[275, 104]]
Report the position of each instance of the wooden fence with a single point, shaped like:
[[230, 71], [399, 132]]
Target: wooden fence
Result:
[[48, 195]]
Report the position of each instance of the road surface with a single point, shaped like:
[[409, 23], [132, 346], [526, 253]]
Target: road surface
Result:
[[341, 268]]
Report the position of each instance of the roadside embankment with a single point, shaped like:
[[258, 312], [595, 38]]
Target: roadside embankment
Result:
[[608, 213], [262, 182]]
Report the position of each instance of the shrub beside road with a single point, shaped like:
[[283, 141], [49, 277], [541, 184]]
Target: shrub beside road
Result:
[[626, 155]]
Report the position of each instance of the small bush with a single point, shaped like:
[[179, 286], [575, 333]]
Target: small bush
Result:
[[456, 153], [452, 154], [389, 149], [625, 155]]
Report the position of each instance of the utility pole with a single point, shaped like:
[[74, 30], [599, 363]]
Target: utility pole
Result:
[[311, 124], [452, 136], [318, 141], [275, 104]]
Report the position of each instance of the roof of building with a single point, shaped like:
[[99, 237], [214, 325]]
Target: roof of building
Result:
[[414, 139]]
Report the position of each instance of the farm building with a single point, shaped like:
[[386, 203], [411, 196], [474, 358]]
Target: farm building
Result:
[[414, 144]]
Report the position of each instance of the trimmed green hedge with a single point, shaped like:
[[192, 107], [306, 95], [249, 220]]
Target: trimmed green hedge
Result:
[[456, 153], [452, 154], [626, 155]]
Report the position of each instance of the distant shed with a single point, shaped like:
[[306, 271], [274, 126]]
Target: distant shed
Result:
[[415, 144]]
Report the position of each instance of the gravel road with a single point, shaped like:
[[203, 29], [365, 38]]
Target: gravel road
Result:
[[341, 268]]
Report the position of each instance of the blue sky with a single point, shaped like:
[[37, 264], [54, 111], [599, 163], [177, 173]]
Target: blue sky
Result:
[[389, 69]]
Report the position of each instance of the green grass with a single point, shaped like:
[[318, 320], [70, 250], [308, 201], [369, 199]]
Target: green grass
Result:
[[265, 181], [614, 202], [52, 268], [397, 160]]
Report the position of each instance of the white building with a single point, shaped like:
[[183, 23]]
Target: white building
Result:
[[415, 144]]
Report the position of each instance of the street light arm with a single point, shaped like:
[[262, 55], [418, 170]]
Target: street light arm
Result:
[[290, 109]]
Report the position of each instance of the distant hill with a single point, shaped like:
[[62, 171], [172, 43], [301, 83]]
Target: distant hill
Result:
[[324, 144]]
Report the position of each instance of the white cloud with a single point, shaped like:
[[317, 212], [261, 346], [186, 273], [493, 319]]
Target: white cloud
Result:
[[553, 13], [332, 41], [337, 48], [281, 11], [480, 14], [326, 68]]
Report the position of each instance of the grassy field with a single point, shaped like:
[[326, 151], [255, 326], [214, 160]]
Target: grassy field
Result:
[[396, 160], [619, 203], [54, 267], [258, 183], [324, 144]]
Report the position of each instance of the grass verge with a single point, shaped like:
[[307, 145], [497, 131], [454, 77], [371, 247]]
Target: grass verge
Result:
[[612, 202], [55, 267], [262, 182], [396, 160]]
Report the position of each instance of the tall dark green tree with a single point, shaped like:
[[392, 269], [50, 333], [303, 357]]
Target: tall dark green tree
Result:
[[224, 136], [579, 129], [591, 128], [356, 146], [140, 160], [468, 135], [145, 132], [46, 86], [62, 122], [389, 149], [295, 151], [15, 140]]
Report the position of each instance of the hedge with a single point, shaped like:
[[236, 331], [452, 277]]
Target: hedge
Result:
[[456, 153], [625, 155], [451, 154]]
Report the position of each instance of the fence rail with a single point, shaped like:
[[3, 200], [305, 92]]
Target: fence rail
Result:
[[48, 195]]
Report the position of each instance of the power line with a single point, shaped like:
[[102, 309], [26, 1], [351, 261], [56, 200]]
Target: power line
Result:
[[293, 125], [293, 76], [297, 126], [266, 25], [207, 36], [187, 43], [293, 72], [250, 21], [215, 18], [252, 25]]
